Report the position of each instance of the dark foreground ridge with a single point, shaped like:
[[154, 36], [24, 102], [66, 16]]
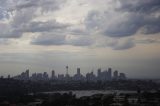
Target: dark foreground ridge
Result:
[[11, 87], [30, 93], [69, 99]]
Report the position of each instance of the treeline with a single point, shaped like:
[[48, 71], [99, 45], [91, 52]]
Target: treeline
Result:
[[11, 87]]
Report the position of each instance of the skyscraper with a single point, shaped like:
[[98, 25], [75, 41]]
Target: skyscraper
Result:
[[78, 76], [67, 77], [115, 75], [27, 74], [122, 76], [45, 76], [78, 71], [99, 72], [66, 70], [109, 73], [53, 74]]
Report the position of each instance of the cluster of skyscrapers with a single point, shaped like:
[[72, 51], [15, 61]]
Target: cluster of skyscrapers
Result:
[[106, 75]]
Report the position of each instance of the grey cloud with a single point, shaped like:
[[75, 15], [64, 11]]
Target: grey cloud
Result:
[[8, 32], [117, 43], [13, 28], [125, 27], [79, 32], [24, 4], [44, 26], [149, 9], [152, 26], [93, 20], [23, 12], [11, 34], [80, 41], [126, 19], [114, 24], [50, 5], [23, 17], [3, 14], [43, 5], [3, 9], [147, 41], [123, 45], [4, 41], [142, 6], [49, 39]]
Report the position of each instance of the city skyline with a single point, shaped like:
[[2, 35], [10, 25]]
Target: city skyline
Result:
[[64, 71], [101, 75], [50, 34]]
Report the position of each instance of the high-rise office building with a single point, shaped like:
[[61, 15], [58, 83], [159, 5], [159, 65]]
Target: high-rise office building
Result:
[[66, 70], [90, 76], [78, 71], [109, 73], [99, 73], [9, 77], [122, 76], [39, 76], [27, 74], [78, 76], [115, 75], [61, 77], [53, 74], [45, 76]]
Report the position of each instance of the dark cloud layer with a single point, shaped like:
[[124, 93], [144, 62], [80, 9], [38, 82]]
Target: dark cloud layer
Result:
[[127, 19], [49, 39], [149, 9], [127, 44], [21, 15], [142, 6], [127, 27], [44, 26], [124, 19]]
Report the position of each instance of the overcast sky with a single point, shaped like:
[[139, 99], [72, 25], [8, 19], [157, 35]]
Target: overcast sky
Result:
[[49, 34]]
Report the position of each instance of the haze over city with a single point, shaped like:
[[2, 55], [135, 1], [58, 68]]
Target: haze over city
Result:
[[45, 35]]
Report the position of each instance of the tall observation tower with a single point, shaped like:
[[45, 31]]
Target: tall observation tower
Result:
[[66, 70], [67, 75]]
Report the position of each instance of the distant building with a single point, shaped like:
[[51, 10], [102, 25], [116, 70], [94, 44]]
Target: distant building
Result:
[[90, 77], [78, 76], [34, 76], [45, 76], [67, 77], [39, 76], [99, 74], [122, 76], [1, 77], [67, 71], [61, 77], [109, 73], [115, 75], [27, 73], [78, 71], [105, 75], [53, 75], [9, 77]]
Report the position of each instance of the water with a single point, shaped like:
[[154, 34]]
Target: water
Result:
[[80, 93]]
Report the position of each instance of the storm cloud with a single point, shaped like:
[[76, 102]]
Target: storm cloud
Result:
[[86, 33], [126, 19], [20, 16], [123, 19], [48, 39]]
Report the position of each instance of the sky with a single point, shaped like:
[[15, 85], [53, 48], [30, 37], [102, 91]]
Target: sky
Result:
[[42, 35]]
